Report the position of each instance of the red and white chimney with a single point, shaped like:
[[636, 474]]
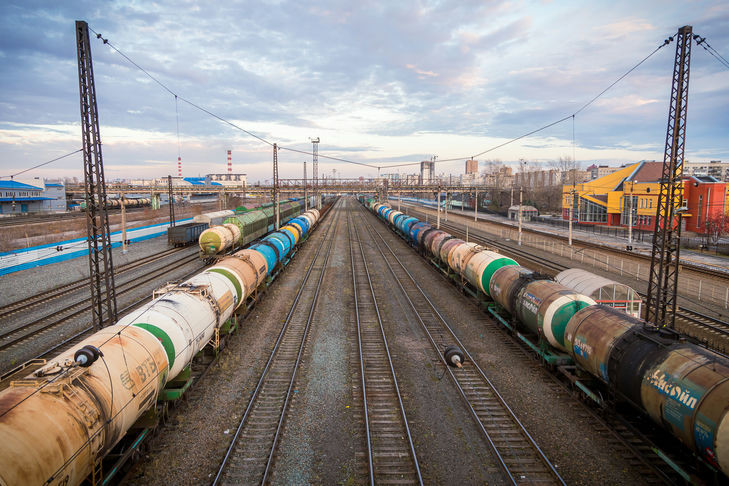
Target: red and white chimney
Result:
[[179, 166], [230, 164]]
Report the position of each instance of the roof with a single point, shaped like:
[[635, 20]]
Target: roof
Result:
[[26, 199], [648, 172], [53, 184], [595, 286], [18, 185], [524, 208], [705, 179], [196, 181]]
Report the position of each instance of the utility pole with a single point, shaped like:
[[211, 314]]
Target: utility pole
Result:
[[276, 187], [630, 215], [399, 195], [123, 203], [103, 295], [475, 205], [315, 169], [306, 192], [438, 221], [520, 200], [571, 210], [447, 199], [665, 253], [171, 201]]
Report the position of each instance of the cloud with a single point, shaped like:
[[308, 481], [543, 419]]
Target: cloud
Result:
[[379, 81]]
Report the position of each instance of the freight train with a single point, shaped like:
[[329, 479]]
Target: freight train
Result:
[[237, 230], [681, 386], [58, 423]]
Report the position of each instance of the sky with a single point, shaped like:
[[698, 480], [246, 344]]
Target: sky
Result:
[[379, 82]]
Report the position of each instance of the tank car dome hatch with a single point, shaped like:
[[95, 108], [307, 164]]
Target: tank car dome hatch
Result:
[[602, 290]]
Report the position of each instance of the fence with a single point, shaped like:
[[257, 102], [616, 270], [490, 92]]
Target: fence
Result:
[[705, 290]]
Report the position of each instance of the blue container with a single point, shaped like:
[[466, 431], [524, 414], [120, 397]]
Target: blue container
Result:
[[279, 243], [416, 229], [268, 253], [303, 223], [285, 240], [399, 218], [407, 223]]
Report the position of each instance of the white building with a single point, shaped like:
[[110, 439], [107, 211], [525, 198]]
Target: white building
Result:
[[32, 196]]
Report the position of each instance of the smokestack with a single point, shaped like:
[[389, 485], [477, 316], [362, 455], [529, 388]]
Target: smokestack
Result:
[[230, 164], [179, 166]]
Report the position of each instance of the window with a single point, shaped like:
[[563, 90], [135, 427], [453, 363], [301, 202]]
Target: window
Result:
[[590, 212], [698, 213], [626, 208]]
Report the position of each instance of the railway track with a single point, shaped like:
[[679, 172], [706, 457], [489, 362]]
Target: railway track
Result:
[[44, 298], [20, 334], [49, 218], [635, 441], [640, 257], [390, 450], [521, 459], [250, 456]]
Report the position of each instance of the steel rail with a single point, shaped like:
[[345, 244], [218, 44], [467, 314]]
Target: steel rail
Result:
[[378, 352], [223, 468], [516, 457], [125, 287], [693, 267], [44, 298], [632, 438]]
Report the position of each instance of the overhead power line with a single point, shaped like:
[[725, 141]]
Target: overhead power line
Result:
[[442, 160], [214, 115], [44, 163], [453, 159], [701, 41]]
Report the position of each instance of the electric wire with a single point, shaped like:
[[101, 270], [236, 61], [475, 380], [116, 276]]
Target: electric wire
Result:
[[665, 43], [177, 120], [701, 41], [210, 113], [44, 163]]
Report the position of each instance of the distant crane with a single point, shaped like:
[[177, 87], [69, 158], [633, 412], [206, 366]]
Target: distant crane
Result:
[[663, 277]]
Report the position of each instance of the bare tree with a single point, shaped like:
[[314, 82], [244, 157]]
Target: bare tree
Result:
[[716, 227], [567, 168]]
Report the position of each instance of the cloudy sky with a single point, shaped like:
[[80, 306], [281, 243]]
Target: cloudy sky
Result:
[[381, 83]]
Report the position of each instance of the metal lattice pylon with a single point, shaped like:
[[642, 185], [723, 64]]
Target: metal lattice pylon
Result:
[[315, 170], [663, 277], [276, 188], [103, 295], [171, 200]]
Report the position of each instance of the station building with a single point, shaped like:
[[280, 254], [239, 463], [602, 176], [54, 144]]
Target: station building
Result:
[[607, 200]]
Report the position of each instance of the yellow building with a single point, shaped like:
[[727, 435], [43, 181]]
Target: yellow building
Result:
[[610, 199]]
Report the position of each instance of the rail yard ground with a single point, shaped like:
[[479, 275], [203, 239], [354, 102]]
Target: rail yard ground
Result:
[[323, 438]]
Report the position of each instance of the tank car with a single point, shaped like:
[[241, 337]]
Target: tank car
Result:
[[681, 386], [59, 422]]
